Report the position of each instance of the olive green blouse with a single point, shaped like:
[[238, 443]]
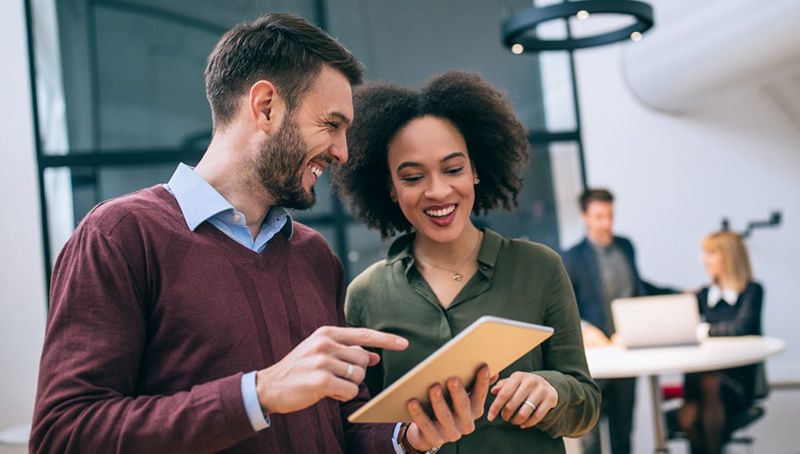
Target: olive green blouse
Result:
[[516, 279]]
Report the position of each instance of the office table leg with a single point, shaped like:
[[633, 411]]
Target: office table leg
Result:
[[658, 415]]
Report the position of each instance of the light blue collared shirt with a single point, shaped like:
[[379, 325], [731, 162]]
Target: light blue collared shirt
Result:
[[200, 202]]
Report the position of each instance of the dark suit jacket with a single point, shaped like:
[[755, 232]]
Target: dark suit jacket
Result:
[[584, 271]]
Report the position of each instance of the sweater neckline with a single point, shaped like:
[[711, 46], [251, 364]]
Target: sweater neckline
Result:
[[262, 259]]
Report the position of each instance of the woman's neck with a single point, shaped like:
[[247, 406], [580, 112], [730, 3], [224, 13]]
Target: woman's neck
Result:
[[453, 253], [725, 284]]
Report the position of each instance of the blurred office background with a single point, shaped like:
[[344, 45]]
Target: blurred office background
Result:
[[120, 101]]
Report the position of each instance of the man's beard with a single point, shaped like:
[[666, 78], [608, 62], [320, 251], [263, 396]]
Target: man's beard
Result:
[[280, 166]]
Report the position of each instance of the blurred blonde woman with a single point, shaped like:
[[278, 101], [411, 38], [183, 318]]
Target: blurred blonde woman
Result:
[[731, 305]]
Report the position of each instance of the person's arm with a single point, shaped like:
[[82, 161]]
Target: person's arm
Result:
[[565, 366], [563, 399], [366, 438], [748, 315], [352, 313], [593, 336], [88, 399], [652, 289]]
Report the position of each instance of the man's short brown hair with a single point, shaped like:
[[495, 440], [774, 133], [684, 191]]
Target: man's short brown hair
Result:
[[284, 49], [595, 195]]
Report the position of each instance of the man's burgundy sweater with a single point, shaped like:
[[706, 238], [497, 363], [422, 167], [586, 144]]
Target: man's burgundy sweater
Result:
[[151, 327]]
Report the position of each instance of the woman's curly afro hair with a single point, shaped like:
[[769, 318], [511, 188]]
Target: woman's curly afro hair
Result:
[[496, 143]]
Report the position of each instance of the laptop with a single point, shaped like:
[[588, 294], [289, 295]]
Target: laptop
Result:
[[656, 321]]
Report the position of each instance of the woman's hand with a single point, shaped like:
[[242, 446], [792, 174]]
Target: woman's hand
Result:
[[523, 399], [452, 421]]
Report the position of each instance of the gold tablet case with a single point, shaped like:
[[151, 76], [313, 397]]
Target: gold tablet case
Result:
[[493, 341]]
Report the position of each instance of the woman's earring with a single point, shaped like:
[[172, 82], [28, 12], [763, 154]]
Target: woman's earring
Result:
[[477, 180]]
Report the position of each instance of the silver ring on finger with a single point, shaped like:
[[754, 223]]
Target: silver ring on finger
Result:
[[530, 404], [349, 371]]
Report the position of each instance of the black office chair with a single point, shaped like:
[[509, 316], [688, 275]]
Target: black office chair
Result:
[[735, 422]]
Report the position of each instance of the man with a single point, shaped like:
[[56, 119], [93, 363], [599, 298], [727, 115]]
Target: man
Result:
[[602, 268], [196, 316]]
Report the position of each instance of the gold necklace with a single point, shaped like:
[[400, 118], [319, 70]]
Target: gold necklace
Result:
[[458, 277]]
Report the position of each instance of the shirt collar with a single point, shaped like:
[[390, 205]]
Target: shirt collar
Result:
[[401, 249], [199, 201], [602, 248], [717, 294], [277, 212], [490, 249]]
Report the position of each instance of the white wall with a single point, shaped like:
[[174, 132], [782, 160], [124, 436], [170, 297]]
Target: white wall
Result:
[[676, 177], [22, 292]]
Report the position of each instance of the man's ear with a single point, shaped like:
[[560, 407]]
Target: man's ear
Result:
[[266, 107]]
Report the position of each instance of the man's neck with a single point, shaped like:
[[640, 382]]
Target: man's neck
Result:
[[226, 167], [600, 242]]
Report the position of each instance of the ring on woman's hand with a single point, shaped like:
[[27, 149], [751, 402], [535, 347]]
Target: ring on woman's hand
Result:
[[530, 404], [349, 371]]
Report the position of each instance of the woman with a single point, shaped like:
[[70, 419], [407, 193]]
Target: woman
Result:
[[422, 163], [731, 306]]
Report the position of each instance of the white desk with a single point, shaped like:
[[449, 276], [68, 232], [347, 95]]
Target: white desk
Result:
[[714, 353]]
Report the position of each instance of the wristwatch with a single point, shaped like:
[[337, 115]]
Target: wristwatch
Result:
[[406, 445]]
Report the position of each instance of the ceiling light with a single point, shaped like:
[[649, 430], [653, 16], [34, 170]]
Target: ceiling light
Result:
[[520, 28]]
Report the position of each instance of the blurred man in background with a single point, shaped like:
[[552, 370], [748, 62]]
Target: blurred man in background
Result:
[[602, 268]]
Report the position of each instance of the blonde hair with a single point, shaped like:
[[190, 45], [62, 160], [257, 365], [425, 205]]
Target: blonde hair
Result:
[[735, 261]]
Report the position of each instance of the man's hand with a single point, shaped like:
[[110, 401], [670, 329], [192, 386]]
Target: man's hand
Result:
[[329, 363], [451, 421], [593, 337], [523, 399]]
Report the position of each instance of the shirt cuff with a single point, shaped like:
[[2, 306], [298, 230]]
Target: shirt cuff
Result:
[[252, 406], [395, 441]]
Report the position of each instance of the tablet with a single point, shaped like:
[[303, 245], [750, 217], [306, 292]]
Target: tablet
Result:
[[493, 341]]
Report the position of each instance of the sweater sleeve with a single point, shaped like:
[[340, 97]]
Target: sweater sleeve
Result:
[[360, 438], [88, 398], [748, 314], [565, 364], [353, 307]]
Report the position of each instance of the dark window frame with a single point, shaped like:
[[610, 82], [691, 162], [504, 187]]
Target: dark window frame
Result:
[[98, 158]]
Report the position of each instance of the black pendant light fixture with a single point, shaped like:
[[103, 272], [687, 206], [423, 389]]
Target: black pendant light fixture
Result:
[[519, 30], [519, 35]]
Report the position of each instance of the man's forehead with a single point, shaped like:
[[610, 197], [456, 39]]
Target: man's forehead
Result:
[[331, 94]]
